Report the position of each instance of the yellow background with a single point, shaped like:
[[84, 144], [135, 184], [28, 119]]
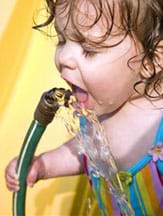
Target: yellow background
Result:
[[26, 70]]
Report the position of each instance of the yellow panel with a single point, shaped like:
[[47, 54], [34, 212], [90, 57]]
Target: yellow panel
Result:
[[14, 41], [27, 69]]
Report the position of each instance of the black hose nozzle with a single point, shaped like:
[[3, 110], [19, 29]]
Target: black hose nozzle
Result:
[[49, 104]]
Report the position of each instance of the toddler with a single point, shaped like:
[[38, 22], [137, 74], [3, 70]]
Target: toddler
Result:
[[111, 54]]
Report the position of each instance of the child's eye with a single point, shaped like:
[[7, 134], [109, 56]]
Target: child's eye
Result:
[[87, 53]]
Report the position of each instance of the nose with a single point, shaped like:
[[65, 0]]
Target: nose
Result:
[[66, 55]]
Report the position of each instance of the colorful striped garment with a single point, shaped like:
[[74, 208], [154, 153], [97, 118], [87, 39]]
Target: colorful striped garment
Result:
[[143, 184]]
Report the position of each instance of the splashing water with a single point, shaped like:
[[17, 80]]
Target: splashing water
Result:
[[93, 143]]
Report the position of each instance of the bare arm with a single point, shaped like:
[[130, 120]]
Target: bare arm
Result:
[[63, 161]]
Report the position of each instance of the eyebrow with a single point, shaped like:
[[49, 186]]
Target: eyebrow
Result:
[[90, 48]]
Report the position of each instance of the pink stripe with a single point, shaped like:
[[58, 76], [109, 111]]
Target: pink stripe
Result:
[[157, 183], [85, 164], [115, 206]]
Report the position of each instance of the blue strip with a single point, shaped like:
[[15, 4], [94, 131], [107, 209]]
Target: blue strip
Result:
[[83, 122], [134, 199], [159, 135], [139, 165], [96, 186]]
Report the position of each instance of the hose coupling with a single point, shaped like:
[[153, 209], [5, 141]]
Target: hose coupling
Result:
[[49, 104]]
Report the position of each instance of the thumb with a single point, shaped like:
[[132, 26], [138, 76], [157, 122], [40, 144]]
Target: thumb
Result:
[[32, 175]]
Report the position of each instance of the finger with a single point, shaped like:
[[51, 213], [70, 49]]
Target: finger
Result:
[[11, 170], [12, 188], [12, 175], [12, 180], [32, 176]]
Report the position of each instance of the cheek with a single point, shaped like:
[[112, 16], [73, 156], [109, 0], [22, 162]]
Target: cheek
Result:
[[112, 85], [110, 77], [56, 59]]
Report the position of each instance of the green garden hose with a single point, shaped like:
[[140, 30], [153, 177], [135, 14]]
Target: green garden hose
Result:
[[44, 114]]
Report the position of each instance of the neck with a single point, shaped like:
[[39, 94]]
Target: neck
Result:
[[131, 130]]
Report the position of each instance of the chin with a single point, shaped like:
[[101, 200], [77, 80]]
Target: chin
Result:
[[106, 113], [99, 112]]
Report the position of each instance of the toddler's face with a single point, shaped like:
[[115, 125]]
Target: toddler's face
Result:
[[101, 78]]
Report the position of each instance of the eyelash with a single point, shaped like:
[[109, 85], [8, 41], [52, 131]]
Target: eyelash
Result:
[[88, 54]]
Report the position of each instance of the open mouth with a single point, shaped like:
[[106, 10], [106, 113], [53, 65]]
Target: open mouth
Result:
[[80, 94]]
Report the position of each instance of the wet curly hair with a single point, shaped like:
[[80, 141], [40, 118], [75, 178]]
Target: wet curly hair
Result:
[[140, 19]]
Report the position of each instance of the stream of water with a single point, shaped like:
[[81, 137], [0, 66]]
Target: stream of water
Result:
[[93, 143]]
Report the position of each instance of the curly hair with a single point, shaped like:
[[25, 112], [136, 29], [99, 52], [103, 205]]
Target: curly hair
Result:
[[140, 19]]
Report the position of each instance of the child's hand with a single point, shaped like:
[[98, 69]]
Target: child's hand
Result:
[[35, 173]]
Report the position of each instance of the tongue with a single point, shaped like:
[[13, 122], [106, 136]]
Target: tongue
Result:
[[81, 95]]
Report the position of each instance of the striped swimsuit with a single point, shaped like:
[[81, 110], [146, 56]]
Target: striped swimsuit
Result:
[[142, 183]]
